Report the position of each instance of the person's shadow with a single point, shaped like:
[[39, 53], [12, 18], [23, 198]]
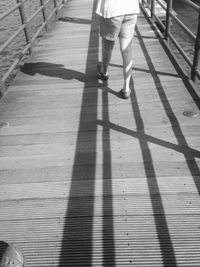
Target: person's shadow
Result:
[[52, 70], [75, 20], [59, 71]]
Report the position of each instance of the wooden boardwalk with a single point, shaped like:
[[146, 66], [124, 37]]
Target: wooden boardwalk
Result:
[[89, 179]]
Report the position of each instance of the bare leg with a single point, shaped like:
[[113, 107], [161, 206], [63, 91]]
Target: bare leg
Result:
[[126, 51], [107, 48]]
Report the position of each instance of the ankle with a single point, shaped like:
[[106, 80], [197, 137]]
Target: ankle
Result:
[[104, 72], [126, 88]]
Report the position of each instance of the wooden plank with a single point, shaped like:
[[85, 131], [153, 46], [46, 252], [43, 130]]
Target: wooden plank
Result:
[[41, 209], [80, 188], [119, 170], [121, 147], [46, 160], [135, 236], [73, 119], [63, 142], [134, 227], [55, 126]]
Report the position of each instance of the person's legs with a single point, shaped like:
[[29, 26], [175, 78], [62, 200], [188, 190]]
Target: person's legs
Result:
[[109, 30], [126, 51], [125, 39], [107, 48], [124, 27]]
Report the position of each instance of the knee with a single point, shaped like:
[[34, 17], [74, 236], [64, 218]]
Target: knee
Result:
[[125, 45], [125, 50], [108, 45]]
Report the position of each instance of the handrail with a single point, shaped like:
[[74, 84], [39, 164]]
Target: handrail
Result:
[[191, 4], [150, 5], [8, 12], [25, 23]]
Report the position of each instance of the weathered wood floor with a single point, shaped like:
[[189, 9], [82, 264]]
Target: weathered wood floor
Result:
[[89, 179]]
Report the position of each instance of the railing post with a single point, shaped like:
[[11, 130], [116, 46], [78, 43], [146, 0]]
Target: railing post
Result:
[[152, 9], [168, 19], [55, 6], [2, 89], [24, 22], [196, 60], [44, 14]]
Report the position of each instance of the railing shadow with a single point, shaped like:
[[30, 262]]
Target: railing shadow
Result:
[[75, 20], [166, 245], [148, 71], [193, 167], [77, 241], [108, 229], [163, 234]]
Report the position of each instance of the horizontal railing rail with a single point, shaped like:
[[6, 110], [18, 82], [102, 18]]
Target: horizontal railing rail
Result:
[[150, 6], [25, 27]]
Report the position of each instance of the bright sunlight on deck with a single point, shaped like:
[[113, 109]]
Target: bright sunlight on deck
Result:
[[90, 179]]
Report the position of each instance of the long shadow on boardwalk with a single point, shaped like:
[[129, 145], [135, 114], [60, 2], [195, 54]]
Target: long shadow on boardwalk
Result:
[[77, 244]]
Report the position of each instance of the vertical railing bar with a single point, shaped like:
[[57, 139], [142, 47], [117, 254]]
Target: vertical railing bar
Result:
[[26, 28], [2, 88], [44, 14], [24, 22], [152, 9], [195, 65], [168, 19], [60, 4], [55, 6], [196, 59]]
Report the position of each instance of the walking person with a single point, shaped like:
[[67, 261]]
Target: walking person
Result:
[[117, 18]]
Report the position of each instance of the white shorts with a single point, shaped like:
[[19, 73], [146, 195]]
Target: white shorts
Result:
[[122, 26]]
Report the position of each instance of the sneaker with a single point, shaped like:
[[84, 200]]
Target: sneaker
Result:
[[123, 94]]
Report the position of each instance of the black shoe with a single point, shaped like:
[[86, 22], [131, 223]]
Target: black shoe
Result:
[[124, 95], [100, 75]]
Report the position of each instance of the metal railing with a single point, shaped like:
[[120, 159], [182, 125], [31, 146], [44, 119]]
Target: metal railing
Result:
[[150, 5], [25, 27]]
